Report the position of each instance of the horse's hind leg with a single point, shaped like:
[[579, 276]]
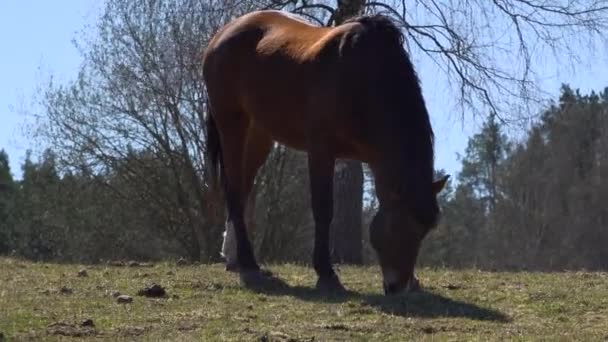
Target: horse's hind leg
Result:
[[243, 153], [229, 237]]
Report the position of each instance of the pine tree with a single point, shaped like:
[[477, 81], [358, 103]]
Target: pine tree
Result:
[[7, 187]]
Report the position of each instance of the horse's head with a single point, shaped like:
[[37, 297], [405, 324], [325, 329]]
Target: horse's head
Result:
[[396, 236]]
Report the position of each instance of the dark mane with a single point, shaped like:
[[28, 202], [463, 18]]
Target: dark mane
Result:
[[379, 25], [380, 39]]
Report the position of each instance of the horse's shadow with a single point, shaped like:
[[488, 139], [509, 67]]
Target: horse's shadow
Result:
[[423, 303]]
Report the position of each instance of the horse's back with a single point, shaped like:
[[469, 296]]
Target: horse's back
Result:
[[264, 33], [257, 65], [284, 74]]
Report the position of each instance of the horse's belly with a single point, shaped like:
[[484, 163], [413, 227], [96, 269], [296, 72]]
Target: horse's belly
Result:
[[289, 120], [286, 126]]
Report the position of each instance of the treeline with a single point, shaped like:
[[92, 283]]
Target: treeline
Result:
[[70, 215], [537, 204]]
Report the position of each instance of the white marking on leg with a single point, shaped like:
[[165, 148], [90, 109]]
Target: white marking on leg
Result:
[[229, 244]]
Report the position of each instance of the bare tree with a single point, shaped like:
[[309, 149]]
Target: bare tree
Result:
[[140, 89]]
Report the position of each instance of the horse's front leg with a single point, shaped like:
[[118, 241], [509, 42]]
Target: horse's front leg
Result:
[[321, 172]]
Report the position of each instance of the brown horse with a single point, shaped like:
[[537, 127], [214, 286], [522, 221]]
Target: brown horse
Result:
[[348, 91]]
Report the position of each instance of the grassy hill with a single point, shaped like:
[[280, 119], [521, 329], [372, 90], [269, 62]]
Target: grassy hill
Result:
[[50, 301]]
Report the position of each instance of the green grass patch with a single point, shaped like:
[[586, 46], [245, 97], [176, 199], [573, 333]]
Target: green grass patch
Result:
[[44, 301]]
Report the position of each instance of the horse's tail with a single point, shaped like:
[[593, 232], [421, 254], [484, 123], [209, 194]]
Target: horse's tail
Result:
[[214, 151]]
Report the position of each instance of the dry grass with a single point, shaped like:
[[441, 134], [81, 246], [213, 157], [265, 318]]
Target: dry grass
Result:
[[207, 303]]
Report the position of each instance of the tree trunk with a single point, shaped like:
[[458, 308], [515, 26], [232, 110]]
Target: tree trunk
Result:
[[346, 230]]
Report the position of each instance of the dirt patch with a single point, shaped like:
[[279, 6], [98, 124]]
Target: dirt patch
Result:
[[131, 263], [131, 331], [152, 291], [69, 329], [187, 325], [66, 290]]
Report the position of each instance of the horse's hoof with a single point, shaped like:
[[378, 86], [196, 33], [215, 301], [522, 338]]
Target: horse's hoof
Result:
[[413, 285], [266, 273], [330, 285]]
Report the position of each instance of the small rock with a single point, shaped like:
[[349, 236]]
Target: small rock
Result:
[[66, 290], [153, 290], [124, 299], [87, 323], [186, 326], [83, 273]]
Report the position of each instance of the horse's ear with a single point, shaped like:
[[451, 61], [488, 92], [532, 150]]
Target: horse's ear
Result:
[[439, 184]]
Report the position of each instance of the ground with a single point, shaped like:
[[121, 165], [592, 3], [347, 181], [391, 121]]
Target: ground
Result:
[[45, 301]]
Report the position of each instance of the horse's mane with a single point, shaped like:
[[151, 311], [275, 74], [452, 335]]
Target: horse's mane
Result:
[[380, 37], [379, 25]]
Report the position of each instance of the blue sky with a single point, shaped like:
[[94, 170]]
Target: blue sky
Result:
[[36, 39]]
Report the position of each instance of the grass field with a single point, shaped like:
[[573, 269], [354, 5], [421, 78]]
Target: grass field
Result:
[[40, 301]]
